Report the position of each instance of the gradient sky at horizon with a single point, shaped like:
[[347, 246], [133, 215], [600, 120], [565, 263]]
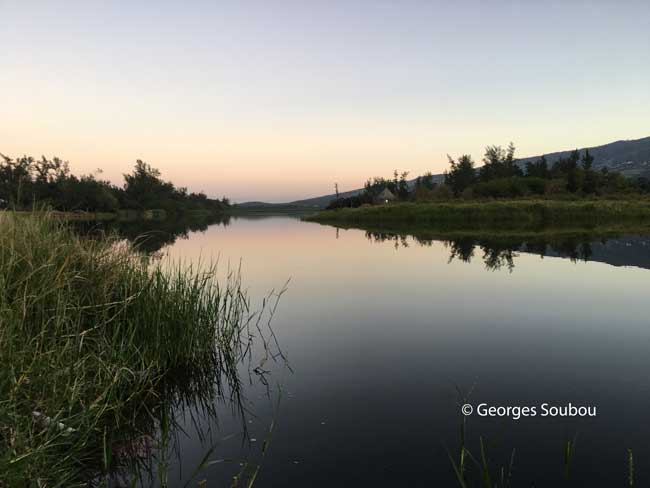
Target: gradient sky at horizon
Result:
[[277, 100]]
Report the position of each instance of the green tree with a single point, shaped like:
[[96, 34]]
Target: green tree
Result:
[[589, 182], [26, 181], [572, 171], [499, 163], [402, 186], [462, 174], [537, 169]]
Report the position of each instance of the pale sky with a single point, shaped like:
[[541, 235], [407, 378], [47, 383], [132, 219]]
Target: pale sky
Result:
[[277, 100]]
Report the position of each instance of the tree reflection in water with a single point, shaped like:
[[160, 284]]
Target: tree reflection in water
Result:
[[150, 236], [499, 251]]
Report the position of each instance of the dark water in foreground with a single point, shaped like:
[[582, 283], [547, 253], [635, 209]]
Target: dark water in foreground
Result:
[[385, 335]]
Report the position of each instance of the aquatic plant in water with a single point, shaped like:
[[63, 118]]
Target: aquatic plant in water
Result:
[[99, 347]]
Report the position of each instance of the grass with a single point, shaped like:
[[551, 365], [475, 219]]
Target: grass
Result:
[[481, 472], [426, 234], [80, 216], [503, 214], [123, 215], [91, 335]]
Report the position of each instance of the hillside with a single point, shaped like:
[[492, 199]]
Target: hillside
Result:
[[631, 158]]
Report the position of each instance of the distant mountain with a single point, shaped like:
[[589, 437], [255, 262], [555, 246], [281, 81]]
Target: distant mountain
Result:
[[631, 158]]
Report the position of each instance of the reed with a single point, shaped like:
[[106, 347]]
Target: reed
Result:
[[507, 214], [90, 333]]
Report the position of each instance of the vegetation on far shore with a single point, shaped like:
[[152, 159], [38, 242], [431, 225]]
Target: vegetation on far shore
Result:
[[505, 214], [92, 333], [26, 182], [499, 195], [500, 177]]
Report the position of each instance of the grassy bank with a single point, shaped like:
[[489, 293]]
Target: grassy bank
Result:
[[506, 214], [121, 215], [72, 216], [90, 332]]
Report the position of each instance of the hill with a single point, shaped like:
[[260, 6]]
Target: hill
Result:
[[631, 158]]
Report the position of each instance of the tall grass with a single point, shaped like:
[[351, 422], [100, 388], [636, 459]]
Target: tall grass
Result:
[[507, 214], [90, 331]]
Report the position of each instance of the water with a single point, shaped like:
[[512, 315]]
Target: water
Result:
[[386, 335]]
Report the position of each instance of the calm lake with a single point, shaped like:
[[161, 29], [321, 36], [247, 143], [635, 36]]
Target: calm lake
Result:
[[384, 337]]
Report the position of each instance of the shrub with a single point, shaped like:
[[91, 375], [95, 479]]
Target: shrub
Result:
[[536, 186], [442, 193]]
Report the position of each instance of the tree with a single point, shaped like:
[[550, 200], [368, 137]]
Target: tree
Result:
[[589, 181], [427, 181], [461, 175], [144, 189], [572, 171], [16, 177], [424, 186], [499, 163], [537, 169], [402, 186], [25, 182]]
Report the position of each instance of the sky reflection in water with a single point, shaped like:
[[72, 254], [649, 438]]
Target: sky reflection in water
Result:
[[380, 332]]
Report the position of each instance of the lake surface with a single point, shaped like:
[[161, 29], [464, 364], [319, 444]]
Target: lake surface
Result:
[[385, 335]]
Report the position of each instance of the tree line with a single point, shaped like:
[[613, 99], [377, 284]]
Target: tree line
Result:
[[26, 183], [502, 177]]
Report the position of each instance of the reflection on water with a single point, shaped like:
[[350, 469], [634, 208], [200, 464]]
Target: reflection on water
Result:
[[496, 251], [152, 235], [501, 251], [383, 330], [192, 405], [209, 405]]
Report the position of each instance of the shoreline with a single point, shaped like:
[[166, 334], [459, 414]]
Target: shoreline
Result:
[[120, 215], [516, 215]]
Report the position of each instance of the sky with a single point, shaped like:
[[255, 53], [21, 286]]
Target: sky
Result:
[[277, 100]]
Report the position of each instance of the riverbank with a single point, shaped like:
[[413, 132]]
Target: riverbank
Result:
[[120, 215], [91, 334], [505, 214]]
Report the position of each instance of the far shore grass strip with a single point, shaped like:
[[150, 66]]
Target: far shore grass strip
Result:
[[508, 214]]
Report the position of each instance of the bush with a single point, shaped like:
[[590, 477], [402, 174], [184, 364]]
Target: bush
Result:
[[442, 193], [536, 186], [467, 194], [500, 188], [423, 194], [510, 187], [349, 202], [555, 187]]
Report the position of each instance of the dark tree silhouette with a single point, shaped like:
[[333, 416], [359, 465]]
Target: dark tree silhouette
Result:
[[462, 174]]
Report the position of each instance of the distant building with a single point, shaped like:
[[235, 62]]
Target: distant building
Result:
[[386, 196]]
